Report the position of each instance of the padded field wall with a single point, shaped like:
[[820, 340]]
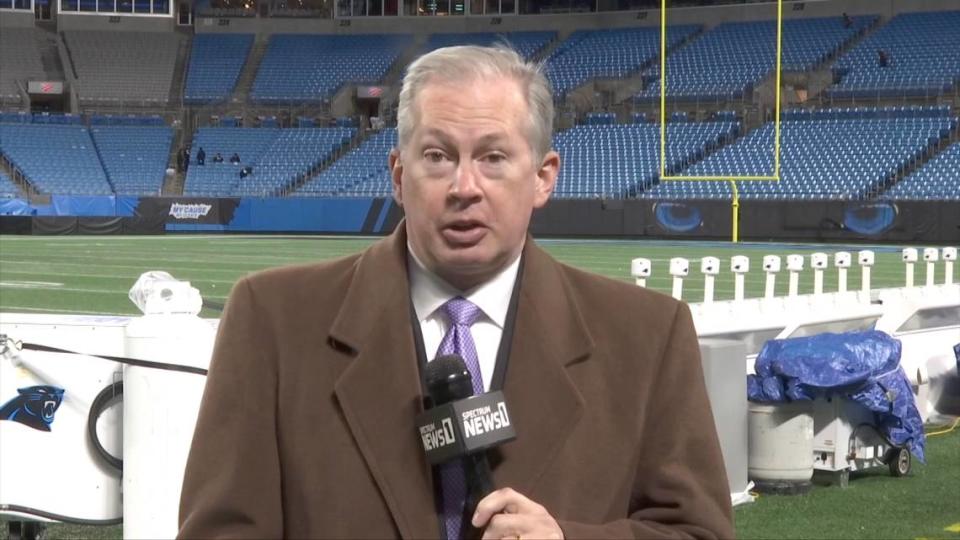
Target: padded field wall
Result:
[[935, 222]]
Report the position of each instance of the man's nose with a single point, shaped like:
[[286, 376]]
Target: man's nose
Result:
[[465, 180]]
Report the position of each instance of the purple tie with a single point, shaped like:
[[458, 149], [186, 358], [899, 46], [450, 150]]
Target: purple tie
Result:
[[461, 314]]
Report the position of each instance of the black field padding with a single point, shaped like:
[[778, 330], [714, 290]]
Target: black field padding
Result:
[[54, 225], [100, 225], [16, 224], [155, 224]]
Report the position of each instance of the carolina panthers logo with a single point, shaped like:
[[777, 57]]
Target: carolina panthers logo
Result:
[[34, 407]]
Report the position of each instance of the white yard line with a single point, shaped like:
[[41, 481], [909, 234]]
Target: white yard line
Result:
[[15, 309], [30, 284]]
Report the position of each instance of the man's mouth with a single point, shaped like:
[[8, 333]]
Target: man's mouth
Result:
[[464, 232]]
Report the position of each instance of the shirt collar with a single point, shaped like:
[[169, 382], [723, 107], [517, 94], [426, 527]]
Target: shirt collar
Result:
[[429, 291]]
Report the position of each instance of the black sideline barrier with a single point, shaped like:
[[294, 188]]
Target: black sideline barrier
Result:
[[935, 222], [54, 225], [104, 225], [61, 225], [633, 218], [16, 224], [144, 225]]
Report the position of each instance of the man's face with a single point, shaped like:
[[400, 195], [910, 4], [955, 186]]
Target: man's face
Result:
[[468, 178]]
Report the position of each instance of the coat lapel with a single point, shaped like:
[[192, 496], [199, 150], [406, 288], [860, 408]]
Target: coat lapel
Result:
[[380, 392], [549, 335]]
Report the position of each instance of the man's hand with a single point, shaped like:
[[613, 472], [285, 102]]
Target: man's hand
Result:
[[508, 514]]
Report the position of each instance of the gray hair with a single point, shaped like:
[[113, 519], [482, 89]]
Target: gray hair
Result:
[[471, 63]]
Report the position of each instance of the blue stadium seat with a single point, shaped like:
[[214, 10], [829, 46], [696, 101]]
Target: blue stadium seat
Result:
[[16, 117], [215, 64], [302, 68], [135, 158], [528, 44], [58, 159], [55, 118], [608, 54], [278, 158], [8, 189], [938, 179], [600, 119], [924, 51], [362, 172], [125, 120], [623, 160], [729, 60], [830, 154]]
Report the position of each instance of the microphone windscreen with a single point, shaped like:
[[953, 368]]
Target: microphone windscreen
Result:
[[448, 379]]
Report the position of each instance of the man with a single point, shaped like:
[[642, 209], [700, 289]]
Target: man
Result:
[[307, 422], [182, 156], [847, 21], [883, 58]]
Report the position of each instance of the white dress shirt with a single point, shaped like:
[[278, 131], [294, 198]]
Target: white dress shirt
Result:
[[429, 292]]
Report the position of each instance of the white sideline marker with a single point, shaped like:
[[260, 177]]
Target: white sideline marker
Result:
[[949, 255], [771, 265], [841, 260], [909, 256], [640, 270], [866, 258], [818, 261], [795, 266], [710, 267], [931, 255], [739, 265], [679, 268]]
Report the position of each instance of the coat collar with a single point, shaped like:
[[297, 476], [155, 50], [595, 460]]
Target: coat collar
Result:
[[380, 391]]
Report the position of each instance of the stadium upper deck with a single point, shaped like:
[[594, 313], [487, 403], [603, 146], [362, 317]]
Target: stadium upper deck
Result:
[[725, 68]]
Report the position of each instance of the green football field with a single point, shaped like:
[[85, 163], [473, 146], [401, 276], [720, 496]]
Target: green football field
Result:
[[78, 274]]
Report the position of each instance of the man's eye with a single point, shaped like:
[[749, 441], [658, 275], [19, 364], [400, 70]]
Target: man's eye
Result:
[[434, 156], [494, 159]]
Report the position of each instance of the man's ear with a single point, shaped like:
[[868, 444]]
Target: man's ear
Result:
[[546, 178], [396, 175]]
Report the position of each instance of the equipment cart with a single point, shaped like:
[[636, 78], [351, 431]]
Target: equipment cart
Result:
[[846, 439]]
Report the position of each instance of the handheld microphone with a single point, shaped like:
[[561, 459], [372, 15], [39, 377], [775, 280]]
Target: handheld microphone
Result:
[[458, 424]]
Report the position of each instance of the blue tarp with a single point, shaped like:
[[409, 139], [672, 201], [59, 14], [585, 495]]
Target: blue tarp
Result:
[[126, 204], [16, 207], [84, 205], [859, 366]]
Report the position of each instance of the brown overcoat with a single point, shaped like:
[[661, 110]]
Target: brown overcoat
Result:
[[306, 429]]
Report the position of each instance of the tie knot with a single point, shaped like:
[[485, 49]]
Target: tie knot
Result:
[[461, 311]]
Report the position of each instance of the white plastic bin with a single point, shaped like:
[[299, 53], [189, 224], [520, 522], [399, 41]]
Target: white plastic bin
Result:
[[780, 446], [159, 414]]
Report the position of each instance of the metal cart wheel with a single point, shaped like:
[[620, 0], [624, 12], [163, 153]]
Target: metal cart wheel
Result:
[[25, 530], [899, 461]]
